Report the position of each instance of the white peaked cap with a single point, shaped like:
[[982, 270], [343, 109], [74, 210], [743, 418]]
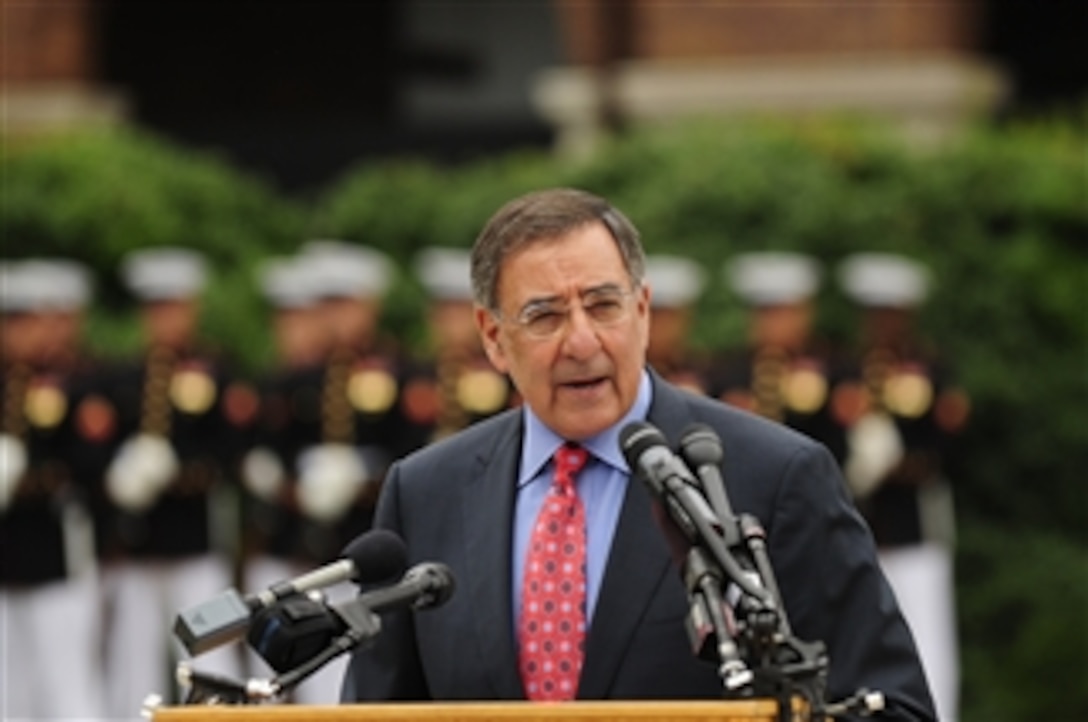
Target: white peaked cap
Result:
[[18, 291], [674, 280], [884, 279], [165, 273], [773, 277], [288, 282], [45, 284], [71, 283], [348, 269], [446, 273]]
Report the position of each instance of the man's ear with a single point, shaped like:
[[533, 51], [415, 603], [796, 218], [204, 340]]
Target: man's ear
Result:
[[488, 326], [642, 309]]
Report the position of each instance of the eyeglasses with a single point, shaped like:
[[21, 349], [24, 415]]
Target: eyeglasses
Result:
[[605, 306]]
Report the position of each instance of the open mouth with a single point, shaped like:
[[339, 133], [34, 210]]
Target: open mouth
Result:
[[584, 384]]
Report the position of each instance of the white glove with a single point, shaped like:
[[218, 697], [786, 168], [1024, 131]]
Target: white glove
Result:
[[263, 473], [331, 476], [874, 448], [12, 467], [141, 471]]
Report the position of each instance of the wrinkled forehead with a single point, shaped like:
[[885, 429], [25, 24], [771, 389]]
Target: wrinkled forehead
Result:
[[563, 268]]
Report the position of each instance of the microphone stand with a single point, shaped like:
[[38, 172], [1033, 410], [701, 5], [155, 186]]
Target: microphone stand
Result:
[[208, 689], [708, 608], [756, 650], [205, 688], [784, 667]]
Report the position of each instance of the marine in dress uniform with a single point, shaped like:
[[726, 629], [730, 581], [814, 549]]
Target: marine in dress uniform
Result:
[[333, 428], [675, 286], [359, 428], [277, 542], [53, 431], [170, 533], [456, 386], [903, 412], [783, 373]]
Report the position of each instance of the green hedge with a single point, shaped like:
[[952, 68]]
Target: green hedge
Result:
[[94, 197], [1000, 214], [1023, 601]]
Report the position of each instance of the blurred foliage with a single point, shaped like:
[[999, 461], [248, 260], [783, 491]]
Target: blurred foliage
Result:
[[1023, 625], [96, 196], [1000, 214]]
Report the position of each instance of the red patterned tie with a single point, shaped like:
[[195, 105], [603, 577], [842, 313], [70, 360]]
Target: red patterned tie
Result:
[[553, 598]]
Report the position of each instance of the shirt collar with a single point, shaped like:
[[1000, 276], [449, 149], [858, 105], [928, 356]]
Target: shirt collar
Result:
[[539, 443]]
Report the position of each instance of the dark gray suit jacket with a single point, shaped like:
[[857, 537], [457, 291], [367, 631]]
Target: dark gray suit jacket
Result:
[[453, 502]]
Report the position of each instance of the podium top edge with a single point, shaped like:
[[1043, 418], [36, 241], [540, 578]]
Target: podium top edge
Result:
[[587, 711]]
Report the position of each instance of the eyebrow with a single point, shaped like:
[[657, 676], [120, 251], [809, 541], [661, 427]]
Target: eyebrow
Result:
[[541, 301]]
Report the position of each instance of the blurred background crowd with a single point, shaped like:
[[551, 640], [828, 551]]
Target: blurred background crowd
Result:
[[234, 288]]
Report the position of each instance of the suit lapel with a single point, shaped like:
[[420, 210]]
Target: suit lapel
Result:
[[638, 562], [487, 508]]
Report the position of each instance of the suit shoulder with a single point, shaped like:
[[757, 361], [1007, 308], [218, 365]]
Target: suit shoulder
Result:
[[737, 426], [464, 447]]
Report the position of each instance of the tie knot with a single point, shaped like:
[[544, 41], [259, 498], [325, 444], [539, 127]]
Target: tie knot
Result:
[[569, 460]]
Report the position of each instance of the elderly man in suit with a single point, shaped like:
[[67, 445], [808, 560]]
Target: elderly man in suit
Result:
[[563, 309]]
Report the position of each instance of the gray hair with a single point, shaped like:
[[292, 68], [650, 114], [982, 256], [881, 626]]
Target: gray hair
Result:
[[547, 214]]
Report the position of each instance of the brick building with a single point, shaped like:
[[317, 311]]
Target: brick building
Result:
[[298, 90]]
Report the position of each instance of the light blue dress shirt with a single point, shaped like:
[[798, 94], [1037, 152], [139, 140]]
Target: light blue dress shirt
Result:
[[601, 486]]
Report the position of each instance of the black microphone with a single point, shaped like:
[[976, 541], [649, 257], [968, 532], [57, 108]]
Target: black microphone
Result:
[[371, 557], [701, 449], [647, 453], [757, 651], [708, 619], [650, 458], [294, 631], [424, 586]]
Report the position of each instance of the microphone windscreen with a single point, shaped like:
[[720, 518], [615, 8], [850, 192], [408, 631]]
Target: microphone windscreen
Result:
[[636, 437], [378, 555], [699, 445]]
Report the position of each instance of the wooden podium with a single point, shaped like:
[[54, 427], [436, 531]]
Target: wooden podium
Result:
[[759, 710]]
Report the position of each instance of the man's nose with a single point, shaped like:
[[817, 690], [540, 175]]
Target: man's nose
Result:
[[580, 338]]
